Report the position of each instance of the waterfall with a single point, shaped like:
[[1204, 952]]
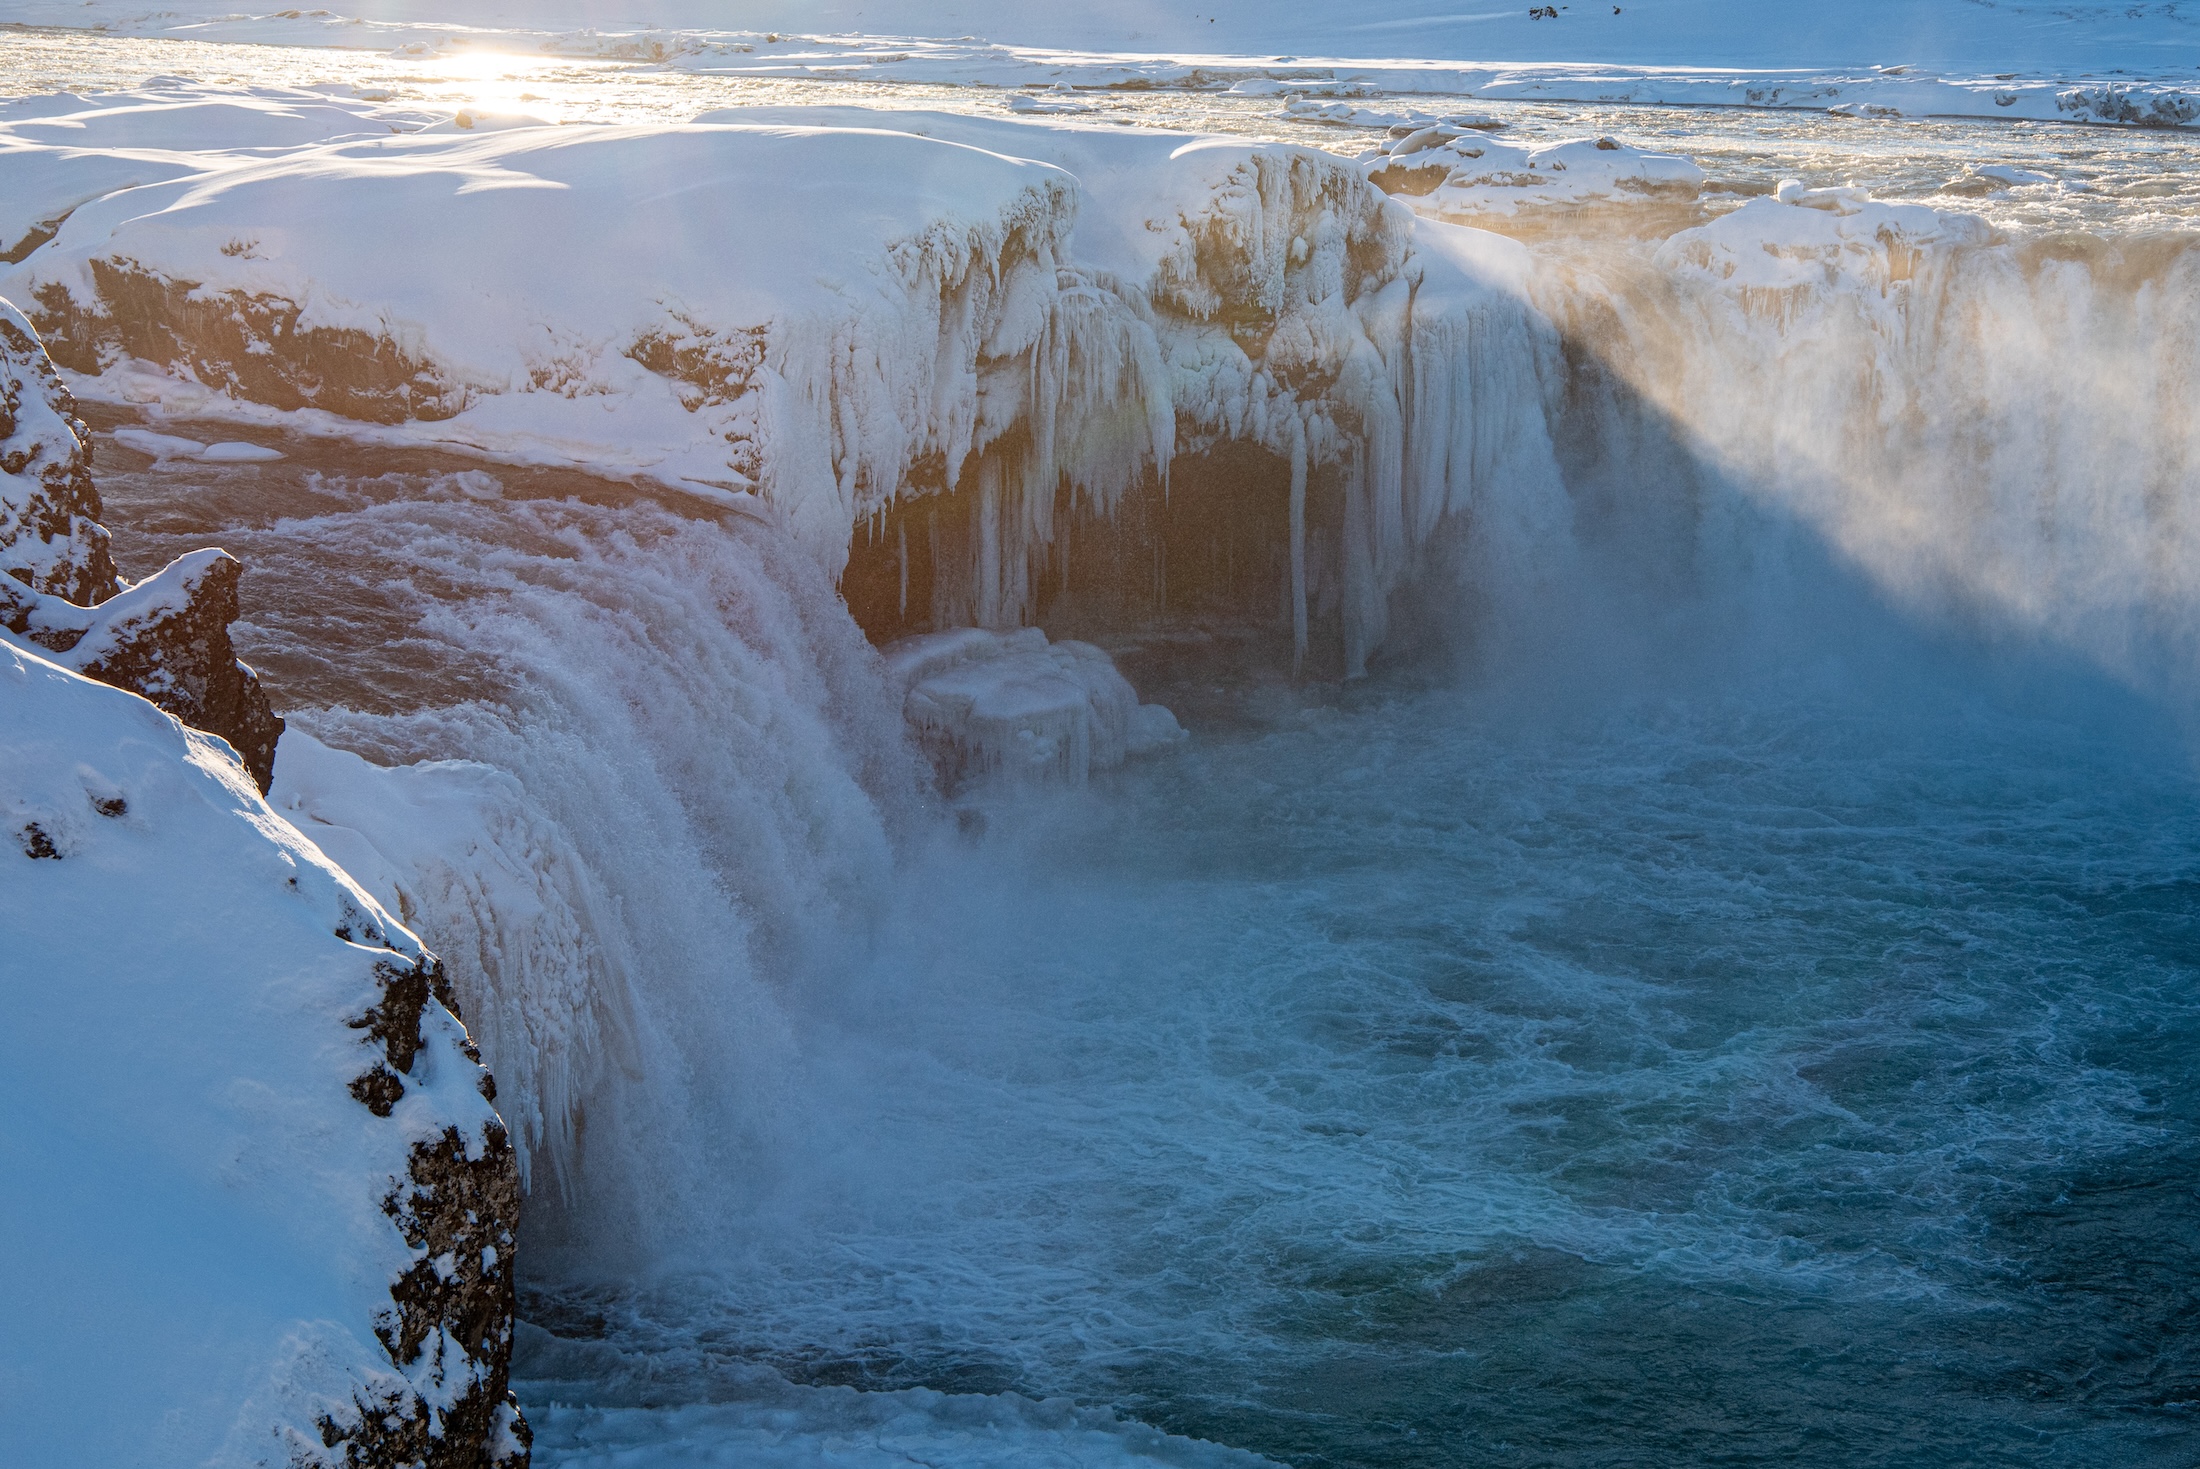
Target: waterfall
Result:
[[1999, 433], [683, 781], [674, 791]]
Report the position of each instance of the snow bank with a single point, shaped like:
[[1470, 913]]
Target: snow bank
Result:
[[1015, 705], [62, 150], [162, 447], [260, 1209]]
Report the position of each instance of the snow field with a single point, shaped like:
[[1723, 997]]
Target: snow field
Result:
[[2036, 59]]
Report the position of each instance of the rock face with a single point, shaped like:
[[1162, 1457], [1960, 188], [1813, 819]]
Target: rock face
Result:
[[451, 1312], [50, 536], [261, 1209], [166, 637]]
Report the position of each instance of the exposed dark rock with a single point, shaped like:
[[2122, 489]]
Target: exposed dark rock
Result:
[[452, 1310], [50, 536], [252, 347], [166, 637], [1406, 178]]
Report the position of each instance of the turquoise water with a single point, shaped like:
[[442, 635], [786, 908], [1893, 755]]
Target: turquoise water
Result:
[[1773, 1048], [1786, 1068]]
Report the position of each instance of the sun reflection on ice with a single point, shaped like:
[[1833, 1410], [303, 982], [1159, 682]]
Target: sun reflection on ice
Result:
[[487, 81]]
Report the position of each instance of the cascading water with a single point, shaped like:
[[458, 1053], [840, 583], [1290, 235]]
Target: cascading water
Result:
[[1723, 990], [2005, 431]]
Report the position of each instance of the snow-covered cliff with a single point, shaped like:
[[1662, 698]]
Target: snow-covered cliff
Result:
[[260, 1208], [166, 637], [817, 314]]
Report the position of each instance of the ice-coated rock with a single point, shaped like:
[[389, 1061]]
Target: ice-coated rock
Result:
[[254, 1172], [1806, 239], [166, 637], [985, 703]]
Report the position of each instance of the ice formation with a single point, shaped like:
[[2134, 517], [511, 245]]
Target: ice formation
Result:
[[1037, 319], [1013, 704], [456, 846]]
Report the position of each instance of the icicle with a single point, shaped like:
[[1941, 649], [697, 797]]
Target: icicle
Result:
[[1362, 595], [989, 542], [1298, 544]]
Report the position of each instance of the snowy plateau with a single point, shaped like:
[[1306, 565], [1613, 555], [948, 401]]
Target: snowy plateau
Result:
[[670, 950]]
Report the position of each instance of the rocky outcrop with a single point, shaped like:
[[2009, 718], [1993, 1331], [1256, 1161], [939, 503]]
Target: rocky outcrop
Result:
[[50, 536], [241, 1100], [451, 1310], [252, 346], [166, 637]]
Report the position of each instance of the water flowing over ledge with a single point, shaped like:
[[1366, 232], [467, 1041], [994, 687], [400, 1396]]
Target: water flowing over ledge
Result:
[[635, 772]]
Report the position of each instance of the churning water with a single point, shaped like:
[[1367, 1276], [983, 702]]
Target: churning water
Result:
[[1743, 1060], [1710, 1025]]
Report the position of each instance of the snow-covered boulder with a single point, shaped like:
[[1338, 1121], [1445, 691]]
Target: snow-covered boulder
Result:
[[1451, 170], [166, 637], [260, 1209], [1013, 704], [1804, 239]]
